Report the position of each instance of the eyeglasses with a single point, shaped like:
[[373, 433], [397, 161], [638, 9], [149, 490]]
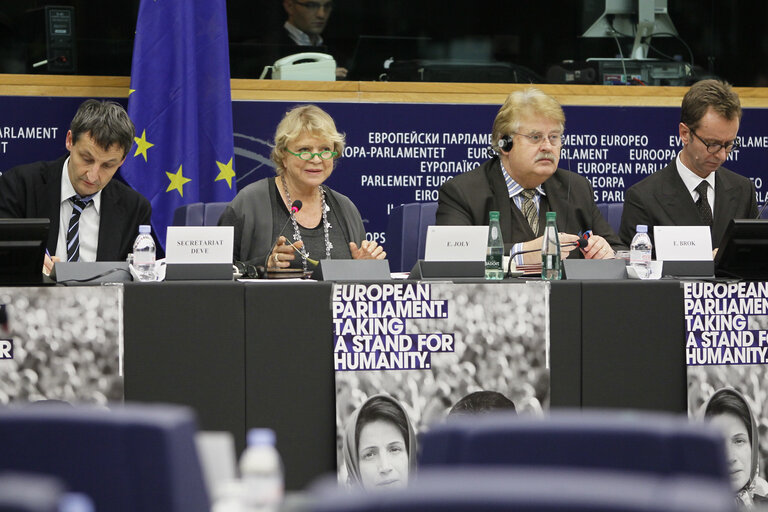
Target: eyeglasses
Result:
[[308, 155], [715, 147], [315, 6], [555, 139]]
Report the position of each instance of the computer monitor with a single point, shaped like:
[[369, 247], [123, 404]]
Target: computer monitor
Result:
[[640, 19], [22, 250], [743, 251]]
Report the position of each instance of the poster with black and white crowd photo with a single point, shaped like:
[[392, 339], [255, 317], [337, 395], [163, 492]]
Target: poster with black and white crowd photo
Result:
[[727, 356], [407, 355], [61, 344]]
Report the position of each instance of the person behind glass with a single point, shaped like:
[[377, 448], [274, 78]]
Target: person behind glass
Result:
[[522, 181], [694, 190], [379, 445], [92, 217], [306, 21], [328, 225], [728, 410]]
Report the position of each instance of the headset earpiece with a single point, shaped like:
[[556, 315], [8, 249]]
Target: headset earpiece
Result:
[[505, 143]]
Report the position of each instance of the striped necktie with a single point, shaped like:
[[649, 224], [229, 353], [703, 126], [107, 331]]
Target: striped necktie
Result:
[[529, 209], [79, 204]]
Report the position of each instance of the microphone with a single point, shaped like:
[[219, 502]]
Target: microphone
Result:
[[295, 207], [760, 213], [580, 243]]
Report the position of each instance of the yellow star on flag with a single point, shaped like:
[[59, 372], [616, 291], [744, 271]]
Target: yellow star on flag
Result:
[[131, 91], [177, 182], [142, 145], [226, 172]]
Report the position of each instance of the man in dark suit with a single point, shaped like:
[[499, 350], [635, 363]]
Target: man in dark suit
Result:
[[694, 190], [93, 218], [523, 182]]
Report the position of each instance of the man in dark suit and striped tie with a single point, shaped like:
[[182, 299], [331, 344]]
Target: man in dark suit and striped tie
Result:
[[93, 218]]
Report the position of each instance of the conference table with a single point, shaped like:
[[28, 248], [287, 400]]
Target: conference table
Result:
[[261, 354]]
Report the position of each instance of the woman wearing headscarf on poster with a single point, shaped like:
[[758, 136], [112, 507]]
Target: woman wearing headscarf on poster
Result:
[[379, 445], [729, 411]]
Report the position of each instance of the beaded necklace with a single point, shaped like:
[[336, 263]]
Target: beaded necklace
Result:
[[297, 233]]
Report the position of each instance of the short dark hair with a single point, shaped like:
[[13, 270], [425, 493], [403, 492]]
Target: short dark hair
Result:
[[383, 409], [709, 93], [107, 123], [481, 402]]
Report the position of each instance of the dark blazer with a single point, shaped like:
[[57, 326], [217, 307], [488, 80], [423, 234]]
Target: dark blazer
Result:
[[33, 191], [662, 199], [467, 199]]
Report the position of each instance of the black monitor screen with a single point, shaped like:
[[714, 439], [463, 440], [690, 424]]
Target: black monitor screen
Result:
[[743, 252], [22, 250]]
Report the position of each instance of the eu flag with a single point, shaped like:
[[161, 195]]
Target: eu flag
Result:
[[181, 105]]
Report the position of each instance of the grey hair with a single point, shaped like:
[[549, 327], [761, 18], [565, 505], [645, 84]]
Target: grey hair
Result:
[[107, 123]]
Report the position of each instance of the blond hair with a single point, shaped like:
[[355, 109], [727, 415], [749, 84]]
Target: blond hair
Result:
[[519, 104], [304, 119]]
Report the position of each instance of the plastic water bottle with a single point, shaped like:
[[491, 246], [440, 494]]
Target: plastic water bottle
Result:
[[640, 252], [550, 250], [494, 255], [261, 472], [144, 254]]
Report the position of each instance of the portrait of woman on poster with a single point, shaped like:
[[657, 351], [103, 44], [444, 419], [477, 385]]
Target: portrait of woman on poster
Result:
[[729, 411], [379, 445]]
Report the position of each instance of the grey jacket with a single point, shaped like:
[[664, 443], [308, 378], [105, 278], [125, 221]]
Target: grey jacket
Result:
[[250, 212]]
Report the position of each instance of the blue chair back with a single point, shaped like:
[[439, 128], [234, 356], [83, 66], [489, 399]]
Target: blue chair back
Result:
[[212, 213], [199, 214], [407, 233], [612, 213], [132, 458], [638, 442], [191, 214], [526, 490]]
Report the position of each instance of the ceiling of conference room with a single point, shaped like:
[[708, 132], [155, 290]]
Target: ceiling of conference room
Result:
[[532, 34]]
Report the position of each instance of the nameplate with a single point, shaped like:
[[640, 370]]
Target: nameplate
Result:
[[199, 244], [456, 243], [89, 272], [352, 270], [683, 243]]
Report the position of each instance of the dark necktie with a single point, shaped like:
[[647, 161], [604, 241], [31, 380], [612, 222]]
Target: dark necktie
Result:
[[705, 212], [73, 232], [529, 209]]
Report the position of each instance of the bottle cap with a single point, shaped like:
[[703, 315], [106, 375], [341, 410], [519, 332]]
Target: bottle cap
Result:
[[261, 436], [642, 228], [493, 215], [551, 215], [145, 229]]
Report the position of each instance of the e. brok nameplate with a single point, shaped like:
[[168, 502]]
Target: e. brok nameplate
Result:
[[685, 250], [199, 252]]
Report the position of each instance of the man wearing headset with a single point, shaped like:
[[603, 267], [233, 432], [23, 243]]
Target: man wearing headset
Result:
[[522, 182]]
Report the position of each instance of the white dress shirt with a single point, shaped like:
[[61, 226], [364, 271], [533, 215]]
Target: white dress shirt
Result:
[[692, 180], [89, 221]]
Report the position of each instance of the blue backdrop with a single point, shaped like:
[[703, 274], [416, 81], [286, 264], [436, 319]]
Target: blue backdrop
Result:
[[401, 152]]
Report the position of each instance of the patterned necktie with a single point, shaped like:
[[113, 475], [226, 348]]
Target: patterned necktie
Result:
[[705, 212], [73, 232], [529, 209]]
